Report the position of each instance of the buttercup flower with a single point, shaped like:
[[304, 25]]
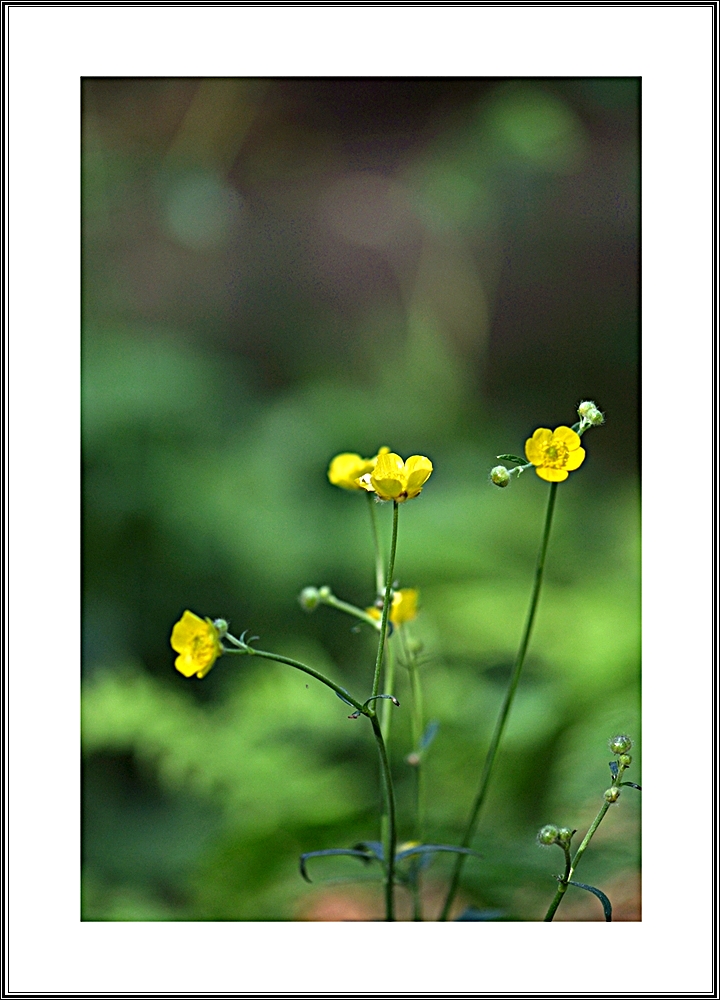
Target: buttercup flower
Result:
[[393, 479], [554, 453], [403, 607], [345, 469], [197, 641]]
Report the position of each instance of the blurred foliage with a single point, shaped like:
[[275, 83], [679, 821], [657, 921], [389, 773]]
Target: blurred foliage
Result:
[[277, 271]]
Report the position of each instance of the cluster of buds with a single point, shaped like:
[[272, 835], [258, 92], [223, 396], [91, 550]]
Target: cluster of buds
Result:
[[552, 834], [589, 414]]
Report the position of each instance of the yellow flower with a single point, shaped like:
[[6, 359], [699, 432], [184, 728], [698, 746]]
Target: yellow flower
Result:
[[346, 469], [393, 479], [403, 607], [554, 453], [198, 643]]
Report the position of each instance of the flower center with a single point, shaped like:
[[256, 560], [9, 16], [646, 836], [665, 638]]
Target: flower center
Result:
[[202, 649], [556, 455]]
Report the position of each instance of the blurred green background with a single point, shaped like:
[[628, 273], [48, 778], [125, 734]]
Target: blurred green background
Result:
[[275, 271]]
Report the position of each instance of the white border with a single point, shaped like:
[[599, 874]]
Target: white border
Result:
[[50, 48]]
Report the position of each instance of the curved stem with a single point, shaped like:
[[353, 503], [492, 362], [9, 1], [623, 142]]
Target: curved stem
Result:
[[562, 888], [506, 705], [249, 651], [569, 872], [386, 601], [379, 574], [334, 602], [391, 846]]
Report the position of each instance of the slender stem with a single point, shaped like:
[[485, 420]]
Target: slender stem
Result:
[[562, 888], [379, 574], [391, 845], [250, 651], [334, 602], [389, 685], [569, 872], [416, 730], [386, 601], [506, 705]]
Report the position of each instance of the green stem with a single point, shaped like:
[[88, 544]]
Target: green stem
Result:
[[391, 845], [389, 685], [379, 574], [250, 651], [334, 602], [562, 888], [386, 601], [506, 705], [569, 872], [416, 730]]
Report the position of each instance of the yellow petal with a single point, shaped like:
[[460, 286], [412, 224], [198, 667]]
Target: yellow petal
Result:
[[388, 489], [186, 665], [346, 468], [533, 451], [552, 475], [184, 631], [389, 466], [568, 436], [404, 606], [388, 477], [417, 471], [575, 459]]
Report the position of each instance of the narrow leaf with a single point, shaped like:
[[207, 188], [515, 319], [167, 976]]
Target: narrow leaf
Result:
[[631, 784], [433, 849], [323, 854], [344, 699], [606, 904], [472, 914], [512, 458], [429, 735], [373, 847]]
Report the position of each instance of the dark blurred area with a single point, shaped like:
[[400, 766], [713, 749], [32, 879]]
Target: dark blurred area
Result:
[[275, 271]]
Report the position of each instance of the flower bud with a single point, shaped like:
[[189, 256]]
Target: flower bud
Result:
[[620, 744], [324, 592], [625, 759], [612, 794], [565, 835], [589, 412], [309, 598], [500, 476], [222, 626], [548, 834]]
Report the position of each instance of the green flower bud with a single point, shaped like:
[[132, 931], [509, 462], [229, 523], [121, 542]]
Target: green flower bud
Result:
[[500, 476], [625, 759], [324, 593], [565, 835], [612, 794], [309, 598], [620, 744], [222, 626], [548, 834], [589, 412]]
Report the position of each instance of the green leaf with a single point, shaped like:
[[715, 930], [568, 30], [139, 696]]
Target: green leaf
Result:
[[606, 904], [512, 458], [434, 848], [631, 784], [331, 851], [429, 735], [472, 914]]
